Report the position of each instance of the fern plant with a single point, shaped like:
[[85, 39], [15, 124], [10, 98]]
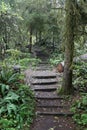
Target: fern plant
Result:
[[7, 103], [7, 77], [80, 76], [16, 102], [80, 111]]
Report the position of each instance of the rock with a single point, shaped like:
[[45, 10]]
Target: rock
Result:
[[17, 69]]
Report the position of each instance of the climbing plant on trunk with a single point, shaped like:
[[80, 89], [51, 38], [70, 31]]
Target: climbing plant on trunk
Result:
[[69, 45]]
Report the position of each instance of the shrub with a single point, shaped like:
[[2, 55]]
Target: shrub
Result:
[[56, 59], [79, 108], [16, 105], [80, 76]]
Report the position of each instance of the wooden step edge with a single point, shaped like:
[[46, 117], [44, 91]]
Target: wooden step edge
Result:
[[44, 83], [52, 106], [44, 89], [50, 80], [54, 113], [43, 66], [42, 69], [48, 98], [47, 85], [43, 76]]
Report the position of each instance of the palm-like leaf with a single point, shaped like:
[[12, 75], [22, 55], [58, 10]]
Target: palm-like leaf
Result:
[[11, 96], [3, 88], [11, 108]]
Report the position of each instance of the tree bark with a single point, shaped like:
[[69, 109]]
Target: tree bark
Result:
[[36, 36], [69, 46], [53, 42], [40, 35], [30, 45]]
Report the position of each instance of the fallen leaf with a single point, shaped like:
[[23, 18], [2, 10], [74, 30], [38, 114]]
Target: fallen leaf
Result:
[[56, 118], [52, 128]]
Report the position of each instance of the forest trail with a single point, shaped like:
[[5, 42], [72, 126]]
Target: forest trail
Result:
[[52, 110]]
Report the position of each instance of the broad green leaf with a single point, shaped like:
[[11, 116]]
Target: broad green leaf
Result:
[[11, 107], [12, 96]]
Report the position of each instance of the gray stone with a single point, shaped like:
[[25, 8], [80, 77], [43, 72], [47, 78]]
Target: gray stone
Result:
[[17, 68]]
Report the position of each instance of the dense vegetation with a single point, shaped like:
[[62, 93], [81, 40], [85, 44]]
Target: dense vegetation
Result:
[[17, 102], [59, 29]]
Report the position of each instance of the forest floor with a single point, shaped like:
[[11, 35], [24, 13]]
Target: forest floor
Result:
[[52, 110]]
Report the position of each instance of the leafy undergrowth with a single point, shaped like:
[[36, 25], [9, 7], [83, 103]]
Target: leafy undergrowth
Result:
[[56, 59], [79, 106], [16, 102], [16, 57], [80, 76]]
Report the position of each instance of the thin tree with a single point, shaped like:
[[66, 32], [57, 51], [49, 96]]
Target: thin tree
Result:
[[69, 46]]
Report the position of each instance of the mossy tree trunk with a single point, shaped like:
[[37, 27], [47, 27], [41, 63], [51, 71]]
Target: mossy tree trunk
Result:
[[36, 36], [53, 40], [30, 45], [40, 35], [69, 46]]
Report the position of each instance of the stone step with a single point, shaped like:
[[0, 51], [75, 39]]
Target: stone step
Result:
[[52, 106], [42, 69], [56, 102], [43, 74], [43, 81], [46, 95], [44, 87], [53, 110], [49, 98], [43, 65], [54, 113]]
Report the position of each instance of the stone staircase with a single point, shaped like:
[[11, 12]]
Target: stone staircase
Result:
[[52, 111]]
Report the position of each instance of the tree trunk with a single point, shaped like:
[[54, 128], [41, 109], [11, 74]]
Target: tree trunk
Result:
[[53, 42], [69, 46], [36, 36], [40, 35], [30, 45]]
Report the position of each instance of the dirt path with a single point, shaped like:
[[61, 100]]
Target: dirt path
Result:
[[52, 110]]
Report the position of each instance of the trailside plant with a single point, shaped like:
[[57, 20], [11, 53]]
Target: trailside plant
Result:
[[56, 59], [26, 62], [14, 54], [79, 108], [15, 57], [80, 76], [16, 102], [8, 76]]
